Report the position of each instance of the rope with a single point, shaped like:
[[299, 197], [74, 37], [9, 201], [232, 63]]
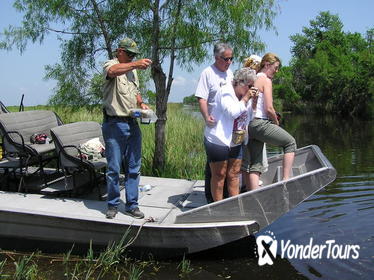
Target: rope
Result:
[[147, 220]]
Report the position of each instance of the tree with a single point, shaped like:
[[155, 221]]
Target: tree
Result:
[[333, 69], [190, 100], [149, 97], [284, 91], [169, 32]]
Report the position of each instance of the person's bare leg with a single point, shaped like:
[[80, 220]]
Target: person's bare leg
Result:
[[254, 178], [218, 170], [233, 171], [287, 164]]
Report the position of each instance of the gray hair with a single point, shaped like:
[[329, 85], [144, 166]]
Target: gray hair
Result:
[[244, 76], [220, 48]]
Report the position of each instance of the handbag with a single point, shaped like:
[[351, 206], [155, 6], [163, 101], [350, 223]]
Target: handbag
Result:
[[238, 136]]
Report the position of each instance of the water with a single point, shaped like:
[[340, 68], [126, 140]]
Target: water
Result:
[[343, 211]]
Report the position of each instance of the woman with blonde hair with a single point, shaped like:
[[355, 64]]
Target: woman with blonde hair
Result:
[[252, 62], [264, 126]]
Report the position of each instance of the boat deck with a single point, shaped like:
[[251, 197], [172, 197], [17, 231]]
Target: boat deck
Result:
[[166, 198]]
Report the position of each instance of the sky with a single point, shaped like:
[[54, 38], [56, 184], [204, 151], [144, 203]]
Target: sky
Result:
[[23, 74]]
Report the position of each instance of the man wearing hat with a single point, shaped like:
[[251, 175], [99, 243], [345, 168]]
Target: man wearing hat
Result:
[[121, 132]]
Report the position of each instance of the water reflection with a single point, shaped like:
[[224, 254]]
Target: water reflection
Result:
[[343, 211]]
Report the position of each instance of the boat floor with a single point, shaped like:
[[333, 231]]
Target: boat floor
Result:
[[166, 198]]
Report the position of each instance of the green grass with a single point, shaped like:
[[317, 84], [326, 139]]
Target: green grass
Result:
[[111, 263], [184, 149]]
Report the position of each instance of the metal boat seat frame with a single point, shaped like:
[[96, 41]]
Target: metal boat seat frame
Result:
[[67, 139], [16, 129]]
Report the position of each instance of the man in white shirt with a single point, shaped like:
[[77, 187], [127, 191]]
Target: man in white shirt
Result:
[[211, 80]]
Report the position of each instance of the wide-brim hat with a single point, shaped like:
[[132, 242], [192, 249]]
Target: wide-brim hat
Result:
[[128, 45]]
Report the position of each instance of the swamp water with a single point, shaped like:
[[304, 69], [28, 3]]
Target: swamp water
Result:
[[339, 216]]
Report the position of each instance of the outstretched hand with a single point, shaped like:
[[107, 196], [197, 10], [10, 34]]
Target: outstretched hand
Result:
[[142, 63]]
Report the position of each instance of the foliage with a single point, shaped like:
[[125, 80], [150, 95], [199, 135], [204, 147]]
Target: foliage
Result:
[[190, 100], [184, 268], [149, 97], [185, 154], [25, 269], [172, 31], [331, 68], [2, 270], [285, 94]]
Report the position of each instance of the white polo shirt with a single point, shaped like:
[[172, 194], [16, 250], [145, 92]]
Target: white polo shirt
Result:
[[210, 82]]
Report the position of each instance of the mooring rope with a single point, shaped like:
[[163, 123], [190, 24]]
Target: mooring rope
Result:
[[147, 220]]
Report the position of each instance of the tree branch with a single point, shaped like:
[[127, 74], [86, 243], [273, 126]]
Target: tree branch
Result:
[[172, 54], [68, 32], [187, 46], [107, 39]]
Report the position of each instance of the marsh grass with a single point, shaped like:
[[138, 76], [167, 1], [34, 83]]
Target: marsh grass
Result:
[[111, 263], [184, 150], [25, 268], [185, 268], [2, 269], [135, 272]]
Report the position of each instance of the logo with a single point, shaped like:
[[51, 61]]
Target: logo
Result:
[[267, 249]]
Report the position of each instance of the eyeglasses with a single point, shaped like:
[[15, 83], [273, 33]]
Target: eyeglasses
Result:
[[227, 58], [130, 54]]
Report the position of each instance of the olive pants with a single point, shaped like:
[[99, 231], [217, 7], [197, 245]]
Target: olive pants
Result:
[[264, 131]]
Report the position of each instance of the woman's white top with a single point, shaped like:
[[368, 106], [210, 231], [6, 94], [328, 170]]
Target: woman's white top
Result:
[[259, 111], [226, 109]]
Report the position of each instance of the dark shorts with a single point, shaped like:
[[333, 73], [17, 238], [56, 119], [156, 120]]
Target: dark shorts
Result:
[[217, 153]]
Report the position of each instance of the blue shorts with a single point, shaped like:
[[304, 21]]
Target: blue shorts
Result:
[[217, 153]]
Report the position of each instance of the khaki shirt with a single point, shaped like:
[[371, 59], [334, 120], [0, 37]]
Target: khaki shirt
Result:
[[119, 92]]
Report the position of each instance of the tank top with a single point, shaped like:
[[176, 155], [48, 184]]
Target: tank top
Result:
[[258, 107]]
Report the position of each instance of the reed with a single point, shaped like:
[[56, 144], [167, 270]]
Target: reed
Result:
[[2, 270], [185, 268], [135, 272], [184, 152], [25, 269]]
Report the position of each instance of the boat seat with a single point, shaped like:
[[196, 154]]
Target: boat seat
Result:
[[3, 108], [16, 128], [67, 139]]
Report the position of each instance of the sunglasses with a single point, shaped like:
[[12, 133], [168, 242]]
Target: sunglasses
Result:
[[227, 58], [130, 54]]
